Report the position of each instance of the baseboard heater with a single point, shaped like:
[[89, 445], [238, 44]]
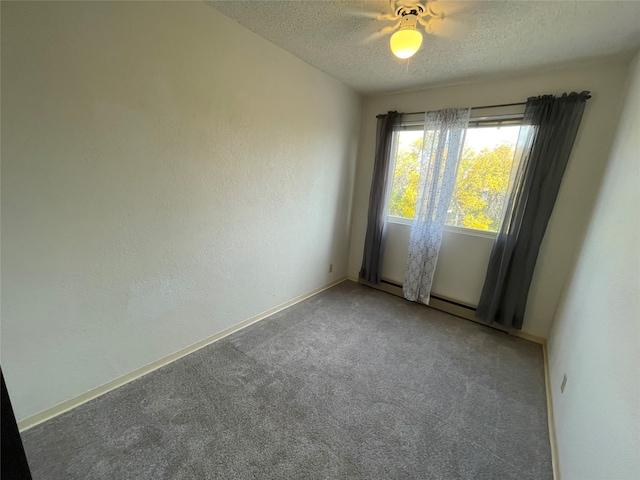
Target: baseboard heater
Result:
[[457, 304], [439, 303], [447, 305]]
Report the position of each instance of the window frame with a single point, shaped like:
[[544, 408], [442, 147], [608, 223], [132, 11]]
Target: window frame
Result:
[[480, 117]]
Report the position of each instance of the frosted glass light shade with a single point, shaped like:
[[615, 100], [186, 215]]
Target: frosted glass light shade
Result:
[[405, 43]]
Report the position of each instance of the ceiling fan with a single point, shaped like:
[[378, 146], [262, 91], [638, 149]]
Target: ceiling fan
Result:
[[406, 14]]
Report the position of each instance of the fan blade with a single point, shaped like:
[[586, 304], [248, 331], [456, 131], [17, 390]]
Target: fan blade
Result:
[[382, 32], [373, 37], [363, 14], [449, 28], [451, 19], [449, 8]]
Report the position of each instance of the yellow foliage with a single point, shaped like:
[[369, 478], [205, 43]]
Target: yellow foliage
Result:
[[481, 185], [404, 190]]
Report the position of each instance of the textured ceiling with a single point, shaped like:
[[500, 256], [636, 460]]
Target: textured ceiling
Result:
[[476, 38]]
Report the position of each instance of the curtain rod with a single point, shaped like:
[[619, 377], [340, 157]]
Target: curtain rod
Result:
[[481, 107]]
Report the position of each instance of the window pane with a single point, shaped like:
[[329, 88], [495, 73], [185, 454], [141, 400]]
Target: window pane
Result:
[[483, 178], [404, 189], [481, 184]]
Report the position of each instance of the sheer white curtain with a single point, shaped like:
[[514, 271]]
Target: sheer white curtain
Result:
[[444, 133]]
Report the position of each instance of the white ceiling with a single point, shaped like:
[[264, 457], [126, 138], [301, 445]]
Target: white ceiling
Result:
[[476, 38]]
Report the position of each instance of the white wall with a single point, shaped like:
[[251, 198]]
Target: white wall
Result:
[[595, 338], [462, 262], [605, 79], [166, 174]]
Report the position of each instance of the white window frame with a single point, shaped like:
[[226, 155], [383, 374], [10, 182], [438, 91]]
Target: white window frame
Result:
[[416, 122]]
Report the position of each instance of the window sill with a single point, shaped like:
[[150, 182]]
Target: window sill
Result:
[[449, 228], [474, 232], [399, 220]]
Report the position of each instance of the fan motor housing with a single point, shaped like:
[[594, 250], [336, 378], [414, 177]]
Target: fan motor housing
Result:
[[409, 21]]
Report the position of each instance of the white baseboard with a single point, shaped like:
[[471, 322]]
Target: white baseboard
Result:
[[528, 336], [550, 417], [74, 402]]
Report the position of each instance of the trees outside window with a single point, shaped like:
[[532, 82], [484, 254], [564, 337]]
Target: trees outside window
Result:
[[482, 181]]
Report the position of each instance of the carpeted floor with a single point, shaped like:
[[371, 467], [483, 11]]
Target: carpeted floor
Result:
[[352, 383]]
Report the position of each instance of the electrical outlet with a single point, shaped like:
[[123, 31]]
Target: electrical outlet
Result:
[[331, 268], [564, 382]]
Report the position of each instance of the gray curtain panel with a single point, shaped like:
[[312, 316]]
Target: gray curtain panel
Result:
[[548, 131], [378, 199]]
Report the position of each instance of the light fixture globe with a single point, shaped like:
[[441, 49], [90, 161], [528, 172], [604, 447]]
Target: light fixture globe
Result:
[[405, 43]]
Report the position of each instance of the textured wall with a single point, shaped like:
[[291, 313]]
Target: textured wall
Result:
[[595, 339], [581, 181], [166, 174]]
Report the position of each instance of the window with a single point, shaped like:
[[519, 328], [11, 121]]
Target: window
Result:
[[483, 174]]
